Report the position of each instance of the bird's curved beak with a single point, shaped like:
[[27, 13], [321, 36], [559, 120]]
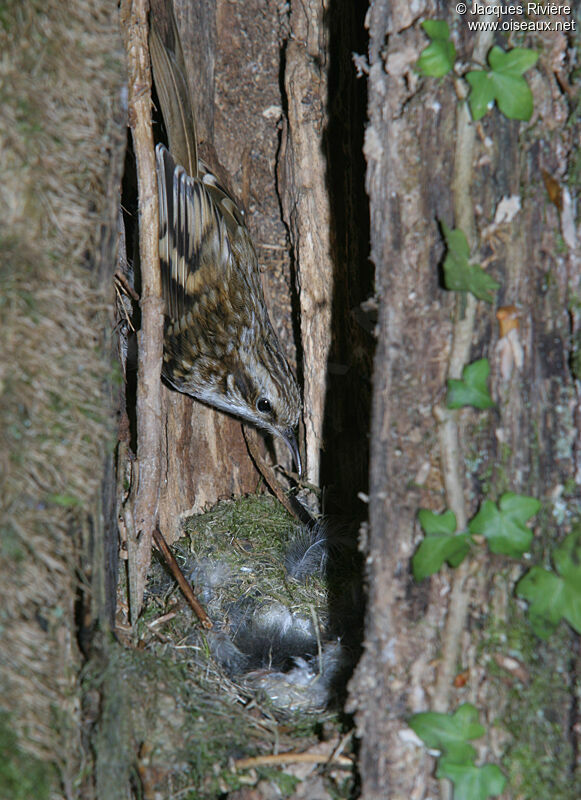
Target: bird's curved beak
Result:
[[291, 441]]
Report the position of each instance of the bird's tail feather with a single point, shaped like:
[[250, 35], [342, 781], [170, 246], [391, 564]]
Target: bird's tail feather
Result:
[[173, 91]]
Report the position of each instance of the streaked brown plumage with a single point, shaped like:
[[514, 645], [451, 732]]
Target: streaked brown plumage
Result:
[[219, 345]]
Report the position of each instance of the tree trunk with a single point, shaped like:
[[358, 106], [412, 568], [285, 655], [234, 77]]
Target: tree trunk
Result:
[[279, 102], [462, 624], [62, 139]]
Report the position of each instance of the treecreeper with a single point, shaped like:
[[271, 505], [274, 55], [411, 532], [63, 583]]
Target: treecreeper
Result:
[[219, 344]]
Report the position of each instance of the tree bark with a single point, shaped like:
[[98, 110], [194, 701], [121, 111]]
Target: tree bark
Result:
[[419, 636], [62, 139]]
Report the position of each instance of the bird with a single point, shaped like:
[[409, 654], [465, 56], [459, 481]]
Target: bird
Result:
[[219, 344]]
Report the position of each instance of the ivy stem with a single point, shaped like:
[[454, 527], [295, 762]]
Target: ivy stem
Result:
[[449, 440]]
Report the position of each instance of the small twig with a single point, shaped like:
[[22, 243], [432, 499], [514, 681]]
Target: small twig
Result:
[[336, 754], [175, 570], [161, 620], [293, 506], [290, 758], [128, 321], [119, 277], [315, 621]]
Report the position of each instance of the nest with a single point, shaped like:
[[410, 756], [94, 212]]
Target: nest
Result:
[[267, 678]]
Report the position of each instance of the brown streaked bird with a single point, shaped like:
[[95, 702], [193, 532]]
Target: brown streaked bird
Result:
[[219, 344]]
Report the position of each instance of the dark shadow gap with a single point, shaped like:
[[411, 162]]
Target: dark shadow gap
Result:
[[345, 459]]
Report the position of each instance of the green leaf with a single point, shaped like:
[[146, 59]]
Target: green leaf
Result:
[[505, 527], [482, 94], [437, 59], [449, 733], [546, 596], [472, 389], [503, 83], [459, 274], [437, 523], [436, 549], [519, 507], [456, 242], [514, 62], [437, 29], [471, 782], [567, 558], [553, 597], [441, 544]]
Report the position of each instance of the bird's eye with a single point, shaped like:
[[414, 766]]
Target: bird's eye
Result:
[[263, 405]]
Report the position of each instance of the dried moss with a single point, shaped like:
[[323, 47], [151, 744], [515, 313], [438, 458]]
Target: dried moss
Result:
[[251, 536]]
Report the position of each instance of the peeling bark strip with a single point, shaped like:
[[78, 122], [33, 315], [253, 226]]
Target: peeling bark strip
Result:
[[145, 493], [306, 209]]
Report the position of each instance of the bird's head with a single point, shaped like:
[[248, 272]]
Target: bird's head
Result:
[[260, 388]]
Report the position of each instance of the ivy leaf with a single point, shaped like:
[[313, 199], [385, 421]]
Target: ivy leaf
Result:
[[553, 597], [437, 59], [441, 544], [503, 83], [459, 274], [449, 733], [505, 527], [482, 96], [471, 782], [519, 507], [545, 593], [437, 523], [472, 389]]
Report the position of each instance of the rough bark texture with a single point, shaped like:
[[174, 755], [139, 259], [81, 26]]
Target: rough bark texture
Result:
[[62, 140], [523, 445], [307, 209], [325, 210], [142, 506]]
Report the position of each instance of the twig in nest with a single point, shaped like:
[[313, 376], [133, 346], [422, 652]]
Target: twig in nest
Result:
[[292, 757], [182, 582], [292, 505]]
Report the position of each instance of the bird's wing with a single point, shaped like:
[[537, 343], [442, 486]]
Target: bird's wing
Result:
[[194, 244]]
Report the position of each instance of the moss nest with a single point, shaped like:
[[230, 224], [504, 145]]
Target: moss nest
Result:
[[264, 680]]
